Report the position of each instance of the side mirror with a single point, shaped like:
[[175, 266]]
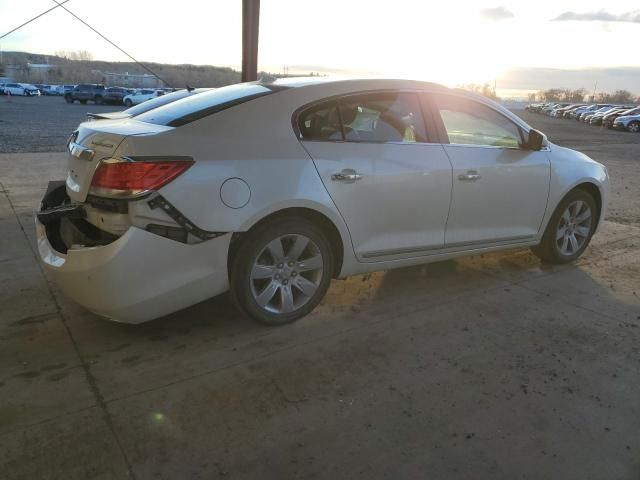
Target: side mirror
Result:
[[535, 140]]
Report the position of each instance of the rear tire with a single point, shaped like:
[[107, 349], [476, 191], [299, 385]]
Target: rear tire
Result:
[[281, 271], [83, 102], [570, 229]]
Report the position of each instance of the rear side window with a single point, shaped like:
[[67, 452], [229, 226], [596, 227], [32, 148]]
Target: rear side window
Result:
[[195, 107], [321, 123], [471, 123], [373, 117], [382, 117]]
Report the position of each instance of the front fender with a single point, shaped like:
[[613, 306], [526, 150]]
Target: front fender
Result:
[[569, 169]]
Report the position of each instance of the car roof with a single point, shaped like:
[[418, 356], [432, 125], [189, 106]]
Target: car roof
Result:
[[334, 86], [361, 82]]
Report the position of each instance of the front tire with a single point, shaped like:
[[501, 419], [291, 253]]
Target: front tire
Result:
[[128, 103], [570, 229], [634, 127], [280, 272]]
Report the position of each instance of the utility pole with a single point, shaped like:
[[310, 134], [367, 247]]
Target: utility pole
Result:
[[594, 91], [250, 30]]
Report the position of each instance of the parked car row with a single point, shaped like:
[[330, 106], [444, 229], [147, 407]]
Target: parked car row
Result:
[[28, 89], [83, 93], [19, 89], [143, 107], [100, 94], [620, 117]]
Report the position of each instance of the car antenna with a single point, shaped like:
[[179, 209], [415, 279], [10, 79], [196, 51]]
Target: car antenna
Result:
[[190, 89]]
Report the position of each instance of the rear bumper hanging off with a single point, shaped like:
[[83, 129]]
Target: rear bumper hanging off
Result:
[[131, 278]]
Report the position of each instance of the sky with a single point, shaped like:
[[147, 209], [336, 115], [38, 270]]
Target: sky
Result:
[[520, 45]]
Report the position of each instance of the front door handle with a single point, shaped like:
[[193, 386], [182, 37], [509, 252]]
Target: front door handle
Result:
[[347, 176], [470, 176]]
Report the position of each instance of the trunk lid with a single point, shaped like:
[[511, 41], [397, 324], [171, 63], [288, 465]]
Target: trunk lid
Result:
[[96, 141]]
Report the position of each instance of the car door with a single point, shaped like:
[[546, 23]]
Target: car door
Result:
[[500, 189], [391, 185]]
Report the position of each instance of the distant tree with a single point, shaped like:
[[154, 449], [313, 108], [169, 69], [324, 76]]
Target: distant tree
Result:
[[603, 97], [575, 96], [489, 91], [622, 96], [532, 96], [552, 95], [485, 89], [78, 55]]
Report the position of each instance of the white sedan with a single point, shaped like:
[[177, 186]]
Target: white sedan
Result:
[[17, 89], [140, 96], [270, 190]]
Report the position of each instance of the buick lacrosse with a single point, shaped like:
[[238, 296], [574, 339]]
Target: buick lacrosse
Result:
[[270, 190]]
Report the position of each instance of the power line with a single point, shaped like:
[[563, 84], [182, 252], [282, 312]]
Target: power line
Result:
[[34, 18], [112, 43]]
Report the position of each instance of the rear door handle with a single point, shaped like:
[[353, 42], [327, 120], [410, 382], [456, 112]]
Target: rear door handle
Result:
[[347, 176], [470, 176]]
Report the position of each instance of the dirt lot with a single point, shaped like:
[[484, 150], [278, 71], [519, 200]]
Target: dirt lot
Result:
[[491, 367]]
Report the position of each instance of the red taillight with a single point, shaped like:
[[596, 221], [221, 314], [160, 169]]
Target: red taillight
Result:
[[136, 177]]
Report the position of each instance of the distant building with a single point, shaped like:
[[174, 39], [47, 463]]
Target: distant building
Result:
[[127, 79], [30, 72], [39, 72]]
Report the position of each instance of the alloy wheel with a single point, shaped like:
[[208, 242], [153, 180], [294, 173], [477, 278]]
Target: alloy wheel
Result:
[[574, 228], [286, 273]]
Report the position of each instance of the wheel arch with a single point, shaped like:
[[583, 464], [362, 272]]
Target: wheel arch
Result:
[[318, 218], [589, 185], [593, 190]]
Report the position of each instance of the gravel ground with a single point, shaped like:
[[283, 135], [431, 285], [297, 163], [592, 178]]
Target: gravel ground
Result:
[[41, 124]]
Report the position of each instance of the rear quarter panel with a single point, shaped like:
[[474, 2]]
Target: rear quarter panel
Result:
[[253, 141]]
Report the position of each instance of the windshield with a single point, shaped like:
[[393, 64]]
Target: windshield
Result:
[[195, 107], [162, 100]]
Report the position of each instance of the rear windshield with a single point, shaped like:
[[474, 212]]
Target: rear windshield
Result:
[[161, 100], [195, 107]]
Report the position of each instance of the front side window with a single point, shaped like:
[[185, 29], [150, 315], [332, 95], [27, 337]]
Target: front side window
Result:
[[372, 117], [470, 123]]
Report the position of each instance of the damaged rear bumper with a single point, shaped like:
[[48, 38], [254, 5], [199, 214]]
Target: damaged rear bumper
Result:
[[136, 277]]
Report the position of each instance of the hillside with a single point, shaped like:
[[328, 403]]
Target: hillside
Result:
[[16, 65]]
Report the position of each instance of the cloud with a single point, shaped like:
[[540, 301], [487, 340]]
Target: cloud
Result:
[[601, 16], [608, 78], [496, 13]]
